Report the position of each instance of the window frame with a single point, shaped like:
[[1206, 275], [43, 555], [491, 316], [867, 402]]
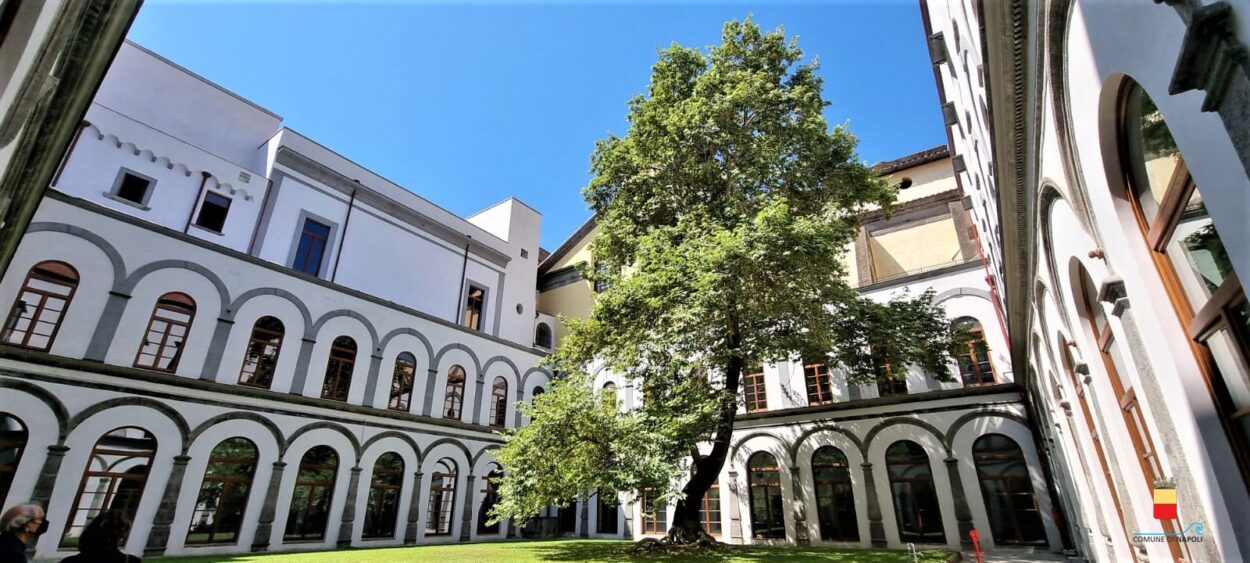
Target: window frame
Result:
[[975, 376], [776, 520], [447, 470], [754, 392], [499, 403], [400, 398], [657, 523], [453, 393], [325, 488], [228, 482], [835, 529], [116, 480], [114, 192], [468, 314], [1009, 500], [910, 486], [19, 305], [203, 204], [338, 366], [253, 342], [330, 240], [170, 300], [391, 486], [814, 374]]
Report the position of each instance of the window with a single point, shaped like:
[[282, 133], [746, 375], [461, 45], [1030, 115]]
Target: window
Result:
[[213, 212], [819, 384], [453, 397], [835, 500], [402, 379], [709, 512], [132, 187], [13, 437], [1008, 491], [499, 403], [442, 499], [915, 499], [568, 519], [974, 355], [889, 383], [113, 480], [601, 285], [474, 300], [753, 390], [654, 513], [310, 501], [166, 333], [338, 378], [542, 336], [490, 497], [606, 512], [40, 307], [313, 240], [382, 506], [260, 360], [767, 505], [1192, 261], [219, 507]]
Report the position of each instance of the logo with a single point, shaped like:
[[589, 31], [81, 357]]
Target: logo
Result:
[[1165, 503], [1165, 510]]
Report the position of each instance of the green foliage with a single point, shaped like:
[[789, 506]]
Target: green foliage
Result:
[[724, 214]]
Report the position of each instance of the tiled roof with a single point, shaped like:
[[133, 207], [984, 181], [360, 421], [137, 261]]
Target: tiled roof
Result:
[[916, 159]]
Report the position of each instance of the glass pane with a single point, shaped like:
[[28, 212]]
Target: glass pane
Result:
[[1152, 145], [1197, 253]]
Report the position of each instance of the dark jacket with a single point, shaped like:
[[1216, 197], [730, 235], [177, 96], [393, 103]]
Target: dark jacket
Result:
[[12, 550]]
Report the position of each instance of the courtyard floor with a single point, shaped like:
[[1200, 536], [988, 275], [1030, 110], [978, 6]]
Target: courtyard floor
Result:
[[569, 550]]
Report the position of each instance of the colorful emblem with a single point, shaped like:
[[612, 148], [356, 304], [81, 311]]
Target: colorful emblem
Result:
[[1165, 503]]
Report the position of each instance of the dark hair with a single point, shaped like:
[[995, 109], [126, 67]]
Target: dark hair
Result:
[[105, 534]]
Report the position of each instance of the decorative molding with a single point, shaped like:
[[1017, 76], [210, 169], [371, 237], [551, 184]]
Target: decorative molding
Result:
[[1210, 54]]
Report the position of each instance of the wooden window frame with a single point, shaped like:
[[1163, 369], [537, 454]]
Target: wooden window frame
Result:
[[442, 503], [116, 478], [167, 303], [263, 339], [499, 403], [755, 395], [384, 482], [837, 530], [710, 511], [315, 487], [658, 523], [1011, 512], [766, 489], [819, 384], [910, 482], [975, 376], [453, 394], [403, 379], [42, 273], [309, 258], [228, 482], [340, 366]]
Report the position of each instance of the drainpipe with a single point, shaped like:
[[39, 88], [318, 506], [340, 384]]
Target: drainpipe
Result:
[[351, 204], [989, 280], [198, 196], [56, 179], [464, 269]]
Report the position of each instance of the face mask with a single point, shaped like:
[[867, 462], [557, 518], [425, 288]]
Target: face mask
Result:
[[43, 528]]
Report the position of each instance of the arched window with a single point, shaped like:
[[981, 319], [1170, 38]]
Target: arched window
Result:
[[915, 498], [114, 479], [753, 390], [453, 398], [767, 505], [1190, 256], [835, 500], [402, 379], [382, 506], [490, 497], [499, 403], [338, 379], [442, 499], [654, 513], [974, 354], [1008, 491], [819, 384], [310, 501], [40, 306], [166, 334], [542, 336], [13, 437], [219, 508], [260, 360]]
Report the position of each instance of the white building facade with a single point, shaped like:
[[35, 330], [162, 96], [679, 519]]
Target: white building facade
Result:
[[247, 342]]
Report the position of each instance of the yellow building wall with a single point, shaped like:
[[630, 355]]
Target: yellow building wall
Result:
[[573, 300], [908, 249]]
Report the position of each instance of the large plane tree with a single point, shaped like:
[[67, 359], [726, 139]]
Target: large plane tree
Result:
[[724, 215]]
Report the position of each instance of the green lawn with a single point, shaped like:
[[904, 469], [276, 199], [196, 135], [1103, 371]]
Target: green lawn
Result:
[[568, 550]]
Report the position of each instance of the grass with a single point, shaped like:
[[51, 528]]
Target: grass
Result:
[[570, 550]]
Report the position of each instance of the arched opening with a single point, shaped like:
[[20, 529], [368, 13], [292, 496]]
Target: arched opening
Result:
[[339, 367], [114, 479], [490, 497], [542, 336], [219, 507], [453, 396], [499, 403], [260, 360], [974, 353], [442, 498], [767, 504], [916, 508], [40, 306], [1008, 491], [382, 506], [13, 436], [835, 499], [402, 379], [166, 335], [310, 500]]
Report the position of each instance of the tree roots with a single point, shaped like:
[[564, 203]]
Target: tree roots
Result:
[[679, 540]]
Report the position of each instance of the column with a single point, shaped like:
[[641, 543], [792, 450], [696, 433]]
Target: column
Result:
[[876, 528], [216, 347], [264, 527], [301, 365], [467, 519], [42, 493], [430, 377], [414, 508], [863, 258], [477, 399], [158, 538], [114, 306], [371, 381], [963, 515], [801, 535], [735, 516], [349, 510], [520, 396], [585, 531]]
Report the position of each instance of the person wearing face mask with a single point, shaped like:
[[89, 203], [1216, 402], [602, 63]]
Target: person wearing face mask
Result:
[[20, 526]]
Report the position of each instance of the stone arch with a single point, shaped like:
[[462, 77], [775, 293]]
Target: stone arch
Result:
[[114, 257], [525, 378], [311, 332], [798, 442], [62, 415], [425, 455], [429, 350], [183, 429], [488, 447], [240, 415], [956, 292], [323, 424], [233, 308], [135, 277], [436, 363], [784, 448], [416, 450], [504, 360], [900, 421], [969, 417]]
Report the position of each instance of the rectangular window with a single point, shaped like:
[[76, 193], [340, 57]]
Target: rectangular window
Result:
[[313, 240], [753, 391], [655, 514], [132, 187], [474, 300], [819, 385], [213, 212], [709, 513]]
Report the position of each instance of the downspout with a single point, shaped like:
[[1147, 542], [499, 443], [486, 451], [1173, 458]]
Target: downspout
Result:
[[260, 216], [989, 280], [56, 179], [198, 196], [351, 203], [464, 270]]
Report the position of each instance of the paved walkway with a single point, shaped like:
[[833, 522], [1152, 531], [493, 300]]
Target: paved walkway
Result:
[[1012, 556]]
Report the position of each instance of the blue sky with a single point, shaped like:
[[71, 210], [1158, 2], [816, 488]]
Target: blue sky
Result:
[[466, 104]]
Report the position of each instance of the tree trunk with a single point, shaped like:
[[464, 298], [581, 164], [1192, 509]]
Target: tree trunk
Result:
[[687, 528]]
